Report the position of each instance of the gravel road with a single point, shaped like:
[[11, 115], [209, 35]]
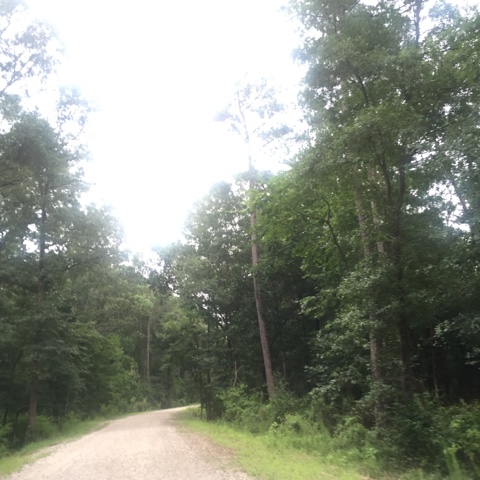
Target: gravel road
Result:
[[142, 447]]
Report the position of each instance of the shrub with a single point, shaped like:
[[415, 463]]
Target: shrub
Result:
[[245, 410], [236, 402], [285, 402], [45, 427], [5, 438], [461, 440], [411, 435], [425, 434]]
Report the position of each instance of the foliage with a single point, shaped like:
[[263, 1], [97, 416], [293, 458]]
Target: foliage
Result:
[[71, 345], [262, 455]]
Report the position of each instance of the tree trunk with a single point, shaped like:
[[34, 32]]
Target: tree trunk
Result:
[[267, 361], [42, 249], [41, 290], [375, 344], [32, 406], [10, 387], [148, 350], [262, 327]]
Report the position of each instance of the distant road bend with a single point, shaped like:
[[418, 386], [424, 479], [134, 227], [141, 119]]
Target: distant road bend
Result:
[[140, 447]]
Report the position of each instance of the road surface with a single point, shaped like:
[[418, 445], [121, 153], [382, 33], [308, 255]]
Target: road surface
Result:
[[142, 447]]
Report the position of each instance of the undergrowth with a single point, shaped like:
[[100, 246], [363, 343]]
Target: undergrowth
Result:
[[421, 441], [268, 456]]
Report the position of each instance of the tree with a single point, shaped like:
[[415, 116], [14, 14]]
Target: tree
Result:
[[34, 145], [61, 280], [28, 54], [289, 228], [251, 115], [379, 96], [214, 277], [51, 239]]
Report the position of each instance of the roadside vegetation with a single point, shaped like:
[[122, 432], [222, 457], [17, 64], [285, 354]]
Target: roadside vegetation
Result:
[[291, 450], [287, 440]]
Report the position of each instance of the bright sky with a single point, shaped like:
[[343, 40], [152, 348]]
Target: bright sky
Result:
[[158, 71]]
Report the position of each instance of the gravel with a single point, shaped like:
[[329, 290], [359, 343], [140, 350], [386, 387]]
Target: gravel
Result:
[[147, 446]]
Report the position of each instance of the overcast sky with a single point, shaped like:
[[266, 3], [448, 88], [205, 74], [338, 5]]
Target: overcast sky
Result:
[[158, 71]]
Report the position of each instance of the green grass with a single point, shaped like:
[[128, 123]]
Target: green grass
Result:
[[73, 429], [264, 457]]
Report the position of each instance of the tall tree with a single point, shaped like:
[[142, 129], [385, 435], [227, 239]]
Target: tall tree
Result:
[[50, 210], [28, 53], [379, 96], [252, 115], [214, 274]]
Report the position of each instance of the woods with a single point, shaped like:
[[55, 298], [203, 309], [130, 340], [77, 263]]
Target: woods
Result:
[[344, 290]]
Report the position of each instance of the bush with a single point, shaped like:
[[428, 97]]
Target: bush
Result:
[[285, 403], [420, 437], [410, 437], [245, 410], [45, 427], [298, 432], [437, 439], [461, 440], [5, 438], [248, 411], [350, 433], [69, 421], [236, 402]]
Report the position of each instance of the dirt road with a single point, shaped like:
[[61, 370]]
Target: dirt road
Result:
[[142, 447]]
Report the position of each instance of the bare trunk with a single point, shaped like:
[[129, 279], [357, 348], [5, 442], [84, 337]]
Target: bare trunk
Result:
[[262, 327], [32, 406], [375, 351], [267, 361], [41, 260], [375, 345], [148, 351], [10, 387], [41, 291], [397, 247], [436, 386], [284, 364]]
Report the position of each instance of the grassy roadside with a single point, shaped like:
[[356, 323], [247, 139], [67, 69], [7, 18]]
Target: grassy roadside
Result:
[[15, 460], [264, 457]]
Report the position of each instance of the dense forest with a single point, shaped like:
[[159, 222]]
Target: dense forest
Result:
[[345, 289]]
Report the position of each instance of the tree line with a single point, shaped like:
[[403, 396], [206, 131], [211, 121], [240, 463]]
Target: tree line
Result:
[[77, 315]]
